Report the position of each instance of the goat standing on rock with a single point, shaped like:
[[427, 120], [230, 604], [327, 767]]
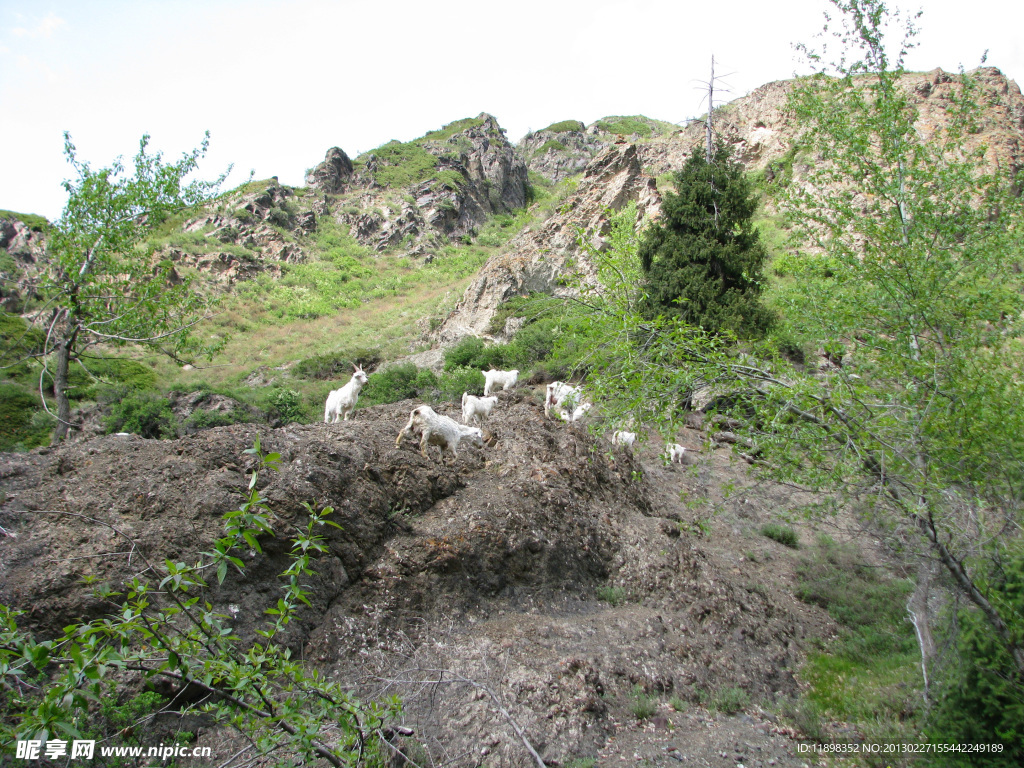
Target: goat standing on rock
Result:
[[341, 402], [435, 429]]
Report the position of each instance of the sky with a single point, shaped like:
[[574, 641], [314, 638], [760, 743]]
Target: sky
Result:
[[278, 83]]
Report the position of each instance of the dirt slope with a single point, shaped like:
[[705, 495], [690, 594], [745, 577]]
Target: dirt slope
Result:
[[486, 568]]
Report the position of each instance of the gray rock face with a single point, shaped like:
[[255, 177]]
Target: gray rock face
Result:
[[536, 260], [556, 155], [19, 277], [330, 175]]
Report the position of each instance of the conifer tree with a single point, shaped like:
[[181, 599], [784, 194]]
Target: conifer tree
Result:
[[704, 259]]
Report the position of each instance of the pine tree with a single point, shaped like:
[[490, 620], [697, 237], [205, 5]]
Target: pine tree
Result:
[[703, 259]]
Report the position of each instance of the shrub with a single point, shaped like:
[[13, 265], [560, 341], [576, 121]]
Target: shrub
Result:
[[17, 340], [472, 352], [17, 431], [643, 706], [201, 419], [280, 217], [336, 365], [143, 413], [731, 700], [982, 696], [458, 380], [287, 404], [782, 534], [399, 382], [611, 595]]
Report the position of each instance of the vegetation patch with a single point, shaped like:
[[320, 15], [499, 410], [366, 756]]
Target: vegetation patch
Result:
[[18, 428], [336, 366], [565, 126], [399, 382], [147, 414], [33, 221], [782, 534], [551, 145], [634, 125], [449, 130], [870, 675]]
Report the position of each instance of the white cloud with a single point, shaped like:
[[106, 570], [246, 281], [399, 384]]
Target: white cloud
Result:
[[44, 28]]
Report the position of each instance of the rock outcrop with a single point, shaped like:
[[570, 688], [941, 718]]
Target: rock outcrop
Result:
[[557, 155], [25, 246], [536, 260], [464, 178], [330, 176]]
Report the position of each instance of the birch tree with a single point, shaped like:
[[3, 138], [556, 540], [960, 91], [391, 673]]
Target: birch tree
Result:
[[102, 285]]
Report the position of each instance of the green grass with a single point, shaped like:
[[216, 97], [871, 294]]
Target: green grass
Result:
[[782, 534], [638, 125], [402, 164], [869, 676], [449, 130], [612, 595], [642, 705], [565, 126], [551, 145]]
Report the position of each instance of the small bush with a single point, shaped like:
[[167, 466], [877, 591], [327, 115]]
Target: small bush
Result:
[[473, 352], [782, 534], [201, 419], [336, 365], [611, 595], [552, 145], [399, 382], [981, 698], [677, 704], [287, 405], [17, 429], [731, 700], [458, 380], [143, 413], [643, 706], [280, 217]]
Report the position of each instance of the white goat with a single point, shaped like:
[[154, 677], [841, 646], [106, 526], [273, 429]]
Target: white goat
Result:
[[503, 379], [623, 438], [477, 408], [435, 429], [674, 452], [559, 392], [580, 412], [341, 402]]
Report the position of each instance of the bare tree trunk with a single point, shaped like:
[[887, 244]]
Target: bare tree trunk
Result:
[[920, 615], [60, 386], [709, 150]]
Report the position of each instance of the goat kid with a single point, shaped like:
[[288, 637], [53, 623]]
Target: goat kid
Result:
[[621, 437], [477, 408], [674, 453]]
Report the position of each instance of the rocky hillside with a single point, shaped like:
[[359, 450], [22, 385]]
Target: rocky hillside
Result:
[[488, 567], [565, 148], [763, 139], [537, 259]]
